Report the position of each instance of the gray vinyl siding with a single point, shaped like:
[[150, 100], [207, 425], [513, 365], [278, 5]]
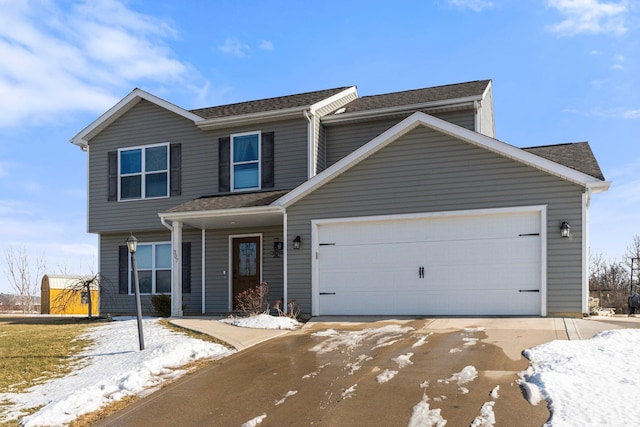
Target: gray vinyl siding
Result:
[[344, 138], [217, 266], [216, 261], [146, 124], [426, 171]]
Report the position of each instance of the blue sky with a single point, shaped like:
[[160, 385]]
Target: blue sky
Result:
[[562, 71]]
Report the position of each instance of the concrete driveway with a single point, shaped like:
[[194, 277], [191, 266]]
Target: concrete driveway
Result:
[[341, 372]]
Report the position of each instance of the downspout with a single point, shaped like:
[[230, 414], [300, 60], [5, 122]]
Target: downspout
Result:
[[586, 198], [311, 143], [476, 115]]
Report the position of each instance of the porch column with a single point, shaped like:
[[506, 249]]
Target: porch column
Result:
[[176, 269]]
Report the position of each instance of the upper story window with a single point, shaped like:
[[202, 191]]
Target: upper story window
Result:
[[154, 268], [143, 172], [245, 161]]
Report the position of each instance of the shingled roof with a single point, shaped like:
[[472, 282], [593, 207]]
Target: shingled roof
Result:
[[418, 96], [229, 201], [268, 104], [576, 155]]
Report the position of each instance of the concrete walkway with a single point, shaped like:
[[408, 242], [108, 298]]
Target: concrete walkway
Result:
[[239, 338]]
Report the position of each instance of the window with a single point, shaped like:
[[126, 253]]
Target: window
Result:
[[245, 161], [154, 268], [143, 172]]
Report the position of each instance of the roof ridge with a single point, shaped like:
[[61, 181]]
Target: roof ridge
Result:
[[428, 88]]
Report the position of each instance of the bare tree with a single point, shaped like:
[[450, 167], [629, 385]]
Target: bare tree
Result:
[[608, 282], [78, 290], [633, 251], [24, 274]]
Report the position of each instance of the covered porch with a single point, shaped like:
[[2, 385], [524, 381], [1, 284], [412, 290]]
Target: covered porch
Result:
[[243, 243]]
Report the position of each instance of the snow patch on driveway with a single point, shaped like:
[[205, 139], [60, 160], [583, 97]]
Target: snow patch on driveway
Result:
[[350, 340], [423, 416]]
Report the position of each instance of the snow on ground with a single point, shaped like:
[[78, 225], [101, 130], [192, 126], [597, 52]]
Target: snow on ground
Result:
[[263, 321], [591, 382], [423, 416], [110, 369]]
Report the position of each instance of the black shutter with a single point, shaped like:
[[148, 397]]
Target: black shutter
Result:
[[186, 267], [123, 269], [113, 176], [267, 160], [174, 165], [224, 166]]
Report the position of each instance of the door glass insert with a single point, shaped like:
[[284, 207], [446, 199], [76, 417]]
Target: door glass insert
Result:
[[247, 259]]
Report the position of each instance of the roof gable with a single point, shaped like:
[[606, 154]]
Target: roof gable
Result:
[[118, 110], [422, 119]]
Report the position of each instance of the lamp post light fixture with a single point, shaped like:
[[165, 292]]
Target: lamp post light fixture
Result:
[[565, 229], [132, 245], [296, 242]]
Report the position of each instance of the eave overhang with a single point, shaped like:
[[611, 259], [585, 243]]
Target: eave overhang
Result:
[[228, 218]]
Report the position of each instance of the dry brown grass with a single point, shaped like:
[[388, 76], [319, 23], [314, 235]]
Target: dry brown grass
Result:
[[36, 349]]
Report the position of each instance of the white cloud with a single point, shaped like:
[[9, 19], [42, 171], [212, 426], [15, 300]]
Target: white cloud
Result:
[[590, 17], [631, 114], [266, 45], [616, 113], [617, 67], [235, 47], [475, 5], [595, 52], [57, 60]]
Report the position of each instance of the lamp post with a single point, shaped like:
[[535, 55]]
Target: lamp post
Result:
[[132, 245]]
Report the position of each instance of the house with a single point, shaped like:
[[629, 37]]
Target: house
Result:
[[64, 294], [400, 203]]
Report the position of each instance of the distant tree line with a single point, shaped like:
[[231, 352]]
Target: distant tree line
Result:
[[610, 279]]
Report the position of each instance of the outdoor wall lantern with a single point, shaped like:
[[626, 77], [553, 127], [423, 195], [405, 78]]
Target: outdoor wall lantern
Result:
[[565, 229], [132, 245], [296, 242]]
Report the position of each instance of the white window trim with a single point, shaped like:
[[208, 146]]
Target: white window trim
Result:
[[232, 164], [153, 269], [143, 172]]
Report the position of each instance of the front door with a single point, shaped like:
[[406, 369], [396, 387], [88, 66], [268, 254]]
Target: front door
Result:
[[245, 264]]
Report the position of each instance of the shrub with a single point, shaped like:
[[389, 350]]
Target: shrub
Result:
[[293, 309], [161, 305], [254, 300]]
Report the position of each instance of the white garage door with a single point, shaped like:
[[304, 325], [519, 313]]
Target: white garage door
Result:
[[451, 265]]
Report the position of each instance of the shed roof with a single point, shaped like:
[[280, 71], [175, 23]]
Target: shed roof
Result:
[[268, 104], [229, 201], [59, 281], [475, 88]]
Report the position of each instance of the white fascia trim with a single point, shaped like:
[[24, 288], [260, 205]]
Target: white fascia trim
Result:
[[125, 104], [218, 122], [358, 115], [418, 119], [254, 210], [327, 101]]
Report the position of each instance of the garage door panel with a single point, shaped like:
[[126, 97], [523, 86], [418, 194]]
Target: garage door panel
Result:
[[472, 265]]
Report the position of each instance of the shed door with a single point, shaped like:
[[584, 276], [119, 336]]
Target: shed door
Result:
[[465, 265]]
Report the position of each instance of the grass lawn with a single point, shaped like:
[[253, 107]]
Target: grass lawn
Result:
[[34, 349]]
